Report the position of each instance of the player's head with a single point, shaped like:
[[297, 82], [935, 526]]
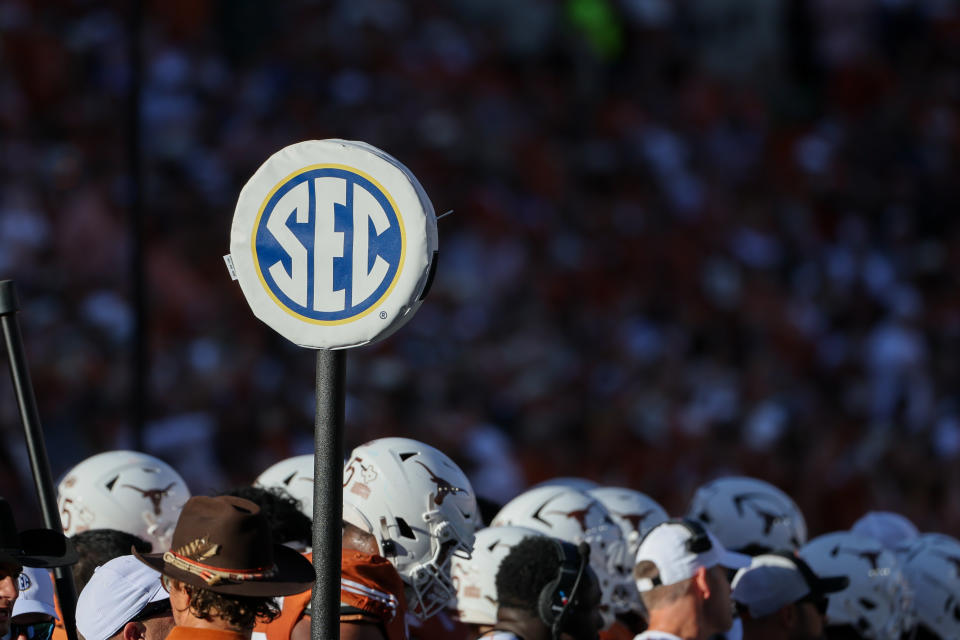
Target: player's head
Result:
[[98, 546], [780, 596], [573, 516], [877, 604], [124, 490], [288, 525], [421, 509], [931, 565], [34, 612], [295, 476], [681, 573], [475, 577], [553, 581], [749, 515]]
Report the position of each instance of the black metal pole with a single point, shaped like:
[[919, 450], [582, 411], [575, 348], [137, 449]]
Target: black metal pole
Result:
[[36, 448], [139, 352], [328, 493]]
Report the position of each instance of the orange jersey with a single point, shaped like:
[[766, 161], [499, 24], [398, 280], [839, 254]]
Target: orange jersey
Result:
[[291, 610], [372, 585], [617, 631], [59, 631], [369, 586]]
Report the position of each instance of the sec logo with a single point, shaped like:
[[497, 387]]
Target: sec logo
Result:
[[23, 582], [333, 243], [328, 244]]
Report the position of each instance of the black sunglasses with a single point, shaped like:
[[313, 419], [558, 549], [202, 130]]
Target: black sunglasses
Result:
[[33, 631]]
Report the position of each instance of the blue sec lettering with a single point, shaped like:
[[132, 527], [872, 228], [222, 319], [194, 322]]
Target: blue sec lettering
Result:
[[328, 244]]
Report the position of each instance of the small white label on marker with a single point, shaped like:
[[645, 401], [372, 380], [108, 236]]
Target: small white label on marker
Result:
[[229, 260]]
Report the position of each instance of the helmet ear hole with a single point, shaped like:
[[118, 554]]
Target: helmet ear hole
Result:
[[867, 604], [388, 548], [405, 529]]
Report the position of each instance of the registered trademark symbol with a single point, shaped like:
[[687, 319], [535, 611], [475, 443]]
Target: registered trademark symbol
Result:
[[383, 315]]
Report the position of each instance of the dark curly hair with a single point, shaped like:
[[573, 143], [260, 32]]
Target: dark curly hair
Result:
[[241, 612], [523, 573], [282, 511], [97, 546]]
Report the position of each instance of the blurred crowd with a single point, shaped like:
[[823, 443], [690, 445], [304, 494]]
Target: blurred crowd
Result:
[[689, 238]]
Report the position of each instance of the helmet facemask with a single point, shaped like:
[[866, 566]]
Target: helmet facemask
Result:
[[429, 585]]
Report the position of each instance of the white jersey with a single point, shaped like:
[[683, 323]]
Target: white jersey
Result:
[[653, 634]]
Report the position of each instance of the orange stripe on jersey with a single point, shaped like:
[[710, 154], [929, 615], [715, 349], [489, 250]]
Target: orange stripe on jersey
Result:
[[367, 582], [617, 631]]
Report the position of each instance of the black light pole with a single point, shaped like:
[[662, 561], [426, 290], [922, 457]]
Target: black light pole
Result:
[[36, 448]]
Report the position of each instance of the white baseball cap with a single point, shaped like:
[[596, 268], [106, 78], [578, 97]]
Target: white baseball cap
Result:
[[36, 593], [116, 593], [776, 580], [679, 547]]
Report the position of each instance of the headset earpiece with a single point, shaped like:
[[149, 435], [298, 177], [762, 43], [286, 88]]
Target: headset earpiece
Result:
[[558, 594], [699, 540]]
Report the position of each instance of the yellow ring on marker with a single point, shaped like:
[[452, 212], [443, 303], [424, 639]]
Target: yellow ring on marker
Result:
[[403, 243]]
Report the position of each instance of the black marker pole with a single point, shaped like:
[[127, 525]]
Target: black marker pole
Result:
[[139, 363], [37, 450], [328, 493]]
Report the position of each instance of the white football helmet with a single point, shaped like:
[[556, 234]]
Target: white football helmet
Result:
[[890, 528], [475, 579], [574, 517], [570, 482], [634, 512], [293, 475], [421, 509], [749, 515], [124, 490], [877, 604], [931, 565]]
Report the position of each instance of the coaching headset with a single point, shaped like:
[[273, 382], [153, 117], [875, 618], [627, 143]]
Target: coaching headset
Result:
[[698, 542], [558, 595]]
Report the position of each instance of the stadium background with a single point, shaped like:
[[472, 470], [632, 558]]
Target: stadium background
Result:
[[689, 238]]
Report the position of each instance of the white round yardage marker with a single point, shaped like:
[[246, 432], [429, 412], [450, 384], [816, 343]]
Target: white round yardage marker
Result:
[[333, 243]]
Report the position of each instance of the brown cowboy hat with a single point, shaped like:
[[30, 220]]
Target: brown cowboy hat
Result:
[[224, 544], [42, 548]]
